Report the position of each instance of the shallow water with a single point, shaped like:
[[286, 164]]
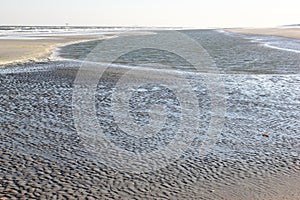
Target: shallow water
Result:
[[42, 150], [232, 53]]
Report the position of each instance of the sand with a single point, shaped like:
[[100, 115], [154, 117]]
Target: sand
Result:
[[293, 33], [24, 50], [42, 156]]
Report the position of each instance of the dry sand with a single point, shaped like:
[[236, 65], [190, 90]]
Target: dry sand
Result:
[[291, 32], [23, 50]]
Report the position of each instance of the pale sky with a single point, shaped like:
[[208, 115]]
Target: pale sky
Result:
[[179, 13]]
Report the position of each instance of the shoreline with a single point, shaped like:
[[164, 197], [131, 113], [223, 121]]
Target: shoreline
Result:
[[27, 50], [256, 155], [286, 32]]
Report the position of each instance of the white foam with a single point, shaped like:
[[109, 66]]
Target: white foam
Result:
[[280, 48], [43, 32], [149, 68], [265, 41], [37, 33]]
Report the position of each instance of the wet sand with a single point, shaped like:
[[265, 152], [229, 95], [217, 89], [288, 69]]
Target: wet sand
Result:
[[30, 49], [43, 157], [293, 33]]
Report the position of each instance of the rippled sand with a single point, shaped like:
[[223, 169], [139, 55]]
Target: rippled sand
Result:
[[256, 155], [42, 156]]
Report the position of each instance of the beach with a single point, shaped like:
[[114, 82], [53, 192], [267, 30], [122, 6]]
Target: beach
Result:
[[31, 49], [25, 50], [38, 46], [254, 155], [288, 32]]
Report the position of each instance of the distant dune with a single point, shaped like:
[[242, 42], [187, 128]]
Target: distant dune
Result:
[[288, 32]]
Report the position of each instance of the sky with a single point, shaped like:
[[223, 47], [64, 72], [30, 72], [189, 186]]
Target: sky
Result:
[[166, 13]]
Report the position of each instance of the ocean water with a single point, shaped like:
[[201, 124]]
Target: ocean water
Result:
[[232, 53], [40, 32], [254, 88]]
